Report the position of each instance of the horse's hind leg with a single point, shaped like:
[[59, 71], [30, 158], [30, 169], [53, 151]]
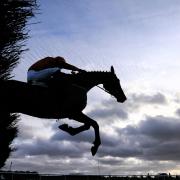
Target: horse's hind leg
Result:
[[80, 117], [73, 131]]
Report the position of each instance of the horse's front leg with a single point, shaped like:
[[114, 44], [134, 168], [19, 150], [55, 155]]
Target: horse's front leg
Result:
[[80, 117], [73, 131]]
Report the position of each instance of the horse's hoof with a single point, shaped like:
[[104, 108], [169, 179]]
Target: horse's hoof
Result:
[[94, 150], [63, 127]]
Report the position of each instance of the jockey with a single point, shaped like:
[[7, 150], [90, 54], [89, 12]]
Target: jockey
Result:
[[41, 71]]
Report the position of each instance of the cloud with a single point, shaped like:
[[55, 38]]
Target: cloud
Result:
[[178, 112], [86, 136], [49, 148], [157, 138], [108, 109], [111, 110], [159, 127], [151, 140], [136, 101], [57, 165], [157, 98]]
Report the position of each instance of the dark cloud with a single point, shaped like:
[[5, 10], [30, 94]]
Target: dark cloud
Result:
[[159, 127], [120, 150], [110, 160], [157, 138], [153, 138], [49, 148], [61, 165]]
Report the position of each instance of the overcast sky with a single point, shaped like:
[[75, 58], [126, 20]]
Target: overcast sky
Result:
[[141, 39]]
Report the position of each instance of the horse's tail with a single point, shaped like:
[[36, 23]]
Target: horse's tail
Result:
[[13, 19]]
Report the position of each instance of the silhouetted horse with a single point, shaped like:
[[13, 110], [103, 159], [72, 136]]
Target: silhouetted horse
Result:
[[60, 101]]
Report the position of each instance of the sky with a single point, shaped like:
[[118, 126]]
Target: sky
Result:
[[141, 39]]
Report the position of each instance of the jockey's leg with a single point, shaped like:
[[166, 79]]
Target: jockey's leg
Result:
[[73, 131], [60, 77], [80, 117], [59, 82], [41, 75]]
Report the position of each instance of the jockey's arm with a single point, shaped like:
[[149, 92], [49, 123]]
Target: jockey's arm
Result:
[[70, 67], [65, 65]]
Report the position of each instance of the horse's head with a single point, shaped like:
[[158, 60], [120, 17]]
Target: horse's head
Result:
[[114, 88]]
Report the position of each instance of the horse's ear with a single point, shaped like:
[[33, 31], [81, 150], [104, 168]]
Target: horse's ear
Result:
[[112, 70]]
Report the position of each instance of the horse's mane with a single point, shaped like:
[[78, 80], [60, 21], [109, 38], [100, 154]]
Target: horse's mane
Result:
[[86, 73], [96, 72]]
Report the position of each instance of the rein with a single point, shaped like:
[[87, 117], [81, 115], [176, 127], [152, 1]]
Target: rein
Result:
[[103, 89]]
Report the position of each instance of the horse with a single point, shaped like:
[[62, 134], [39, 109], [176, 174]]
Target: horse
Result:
[[61, 101]]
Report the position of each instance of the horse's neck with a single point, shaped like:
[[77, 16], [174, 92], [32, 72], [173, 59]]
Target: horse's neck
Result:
[[91, 79]]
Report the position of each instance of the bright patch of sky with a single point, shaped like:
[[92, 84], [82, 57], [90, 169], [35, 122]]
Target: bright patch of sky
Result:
[[141, 39]]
